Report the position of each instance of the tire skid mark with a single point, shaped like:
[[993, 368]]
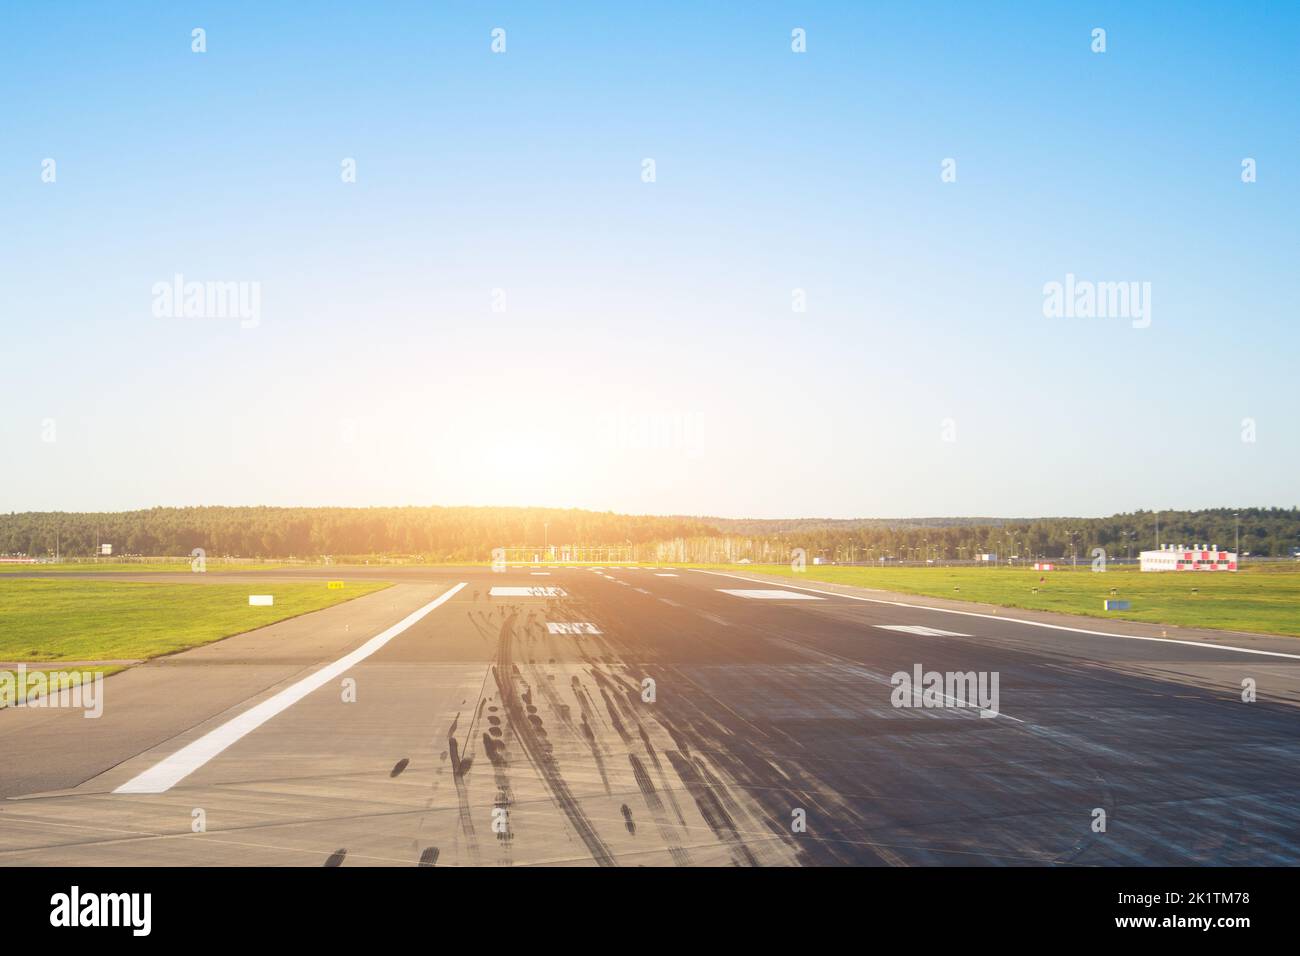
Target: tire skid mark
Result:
[[656, 806], [741, 752], [590, 737], [539, 751], [715, 815], [459, 768]]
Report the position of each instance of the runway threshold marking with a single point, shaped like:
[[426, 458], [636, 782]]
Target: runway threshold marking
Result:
[[1019, 620], [165, 774]]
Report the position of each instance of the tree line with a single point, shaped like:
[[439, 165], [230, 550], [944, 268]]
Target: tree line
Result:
[[463, 533], [1272, 532], [435, 533]]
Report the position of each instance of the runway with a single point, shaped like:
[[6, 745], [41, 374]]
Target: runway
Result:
[[638, 716]]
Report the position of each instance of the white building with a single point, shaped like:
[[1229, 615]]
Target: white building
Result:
[[1198, 557]]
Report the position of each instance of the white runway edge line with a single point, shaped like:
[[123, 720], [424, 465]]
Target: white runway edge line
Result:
[[1019, 620], [167, 773]]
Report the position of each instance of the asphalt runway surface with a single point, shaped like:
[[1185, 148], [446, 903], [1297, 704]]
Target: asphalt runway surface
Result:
[[638, 716]]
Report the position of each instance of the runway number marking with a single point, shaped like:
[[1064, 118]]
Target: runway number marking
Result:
[[771, 595], [571, 627], [538, 591], [919, 630], [165, 774]]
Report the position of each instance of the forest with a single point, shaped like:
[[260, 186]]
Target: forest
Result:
[[470, 533]]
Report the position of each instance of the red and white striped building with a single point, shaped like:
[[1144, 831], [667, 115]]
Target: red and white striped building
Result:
[[1181, 557]]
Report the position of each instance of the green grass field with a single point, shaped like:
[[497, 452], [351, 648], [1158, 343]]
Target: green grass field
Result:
[[1264, 599], [47, 620], [146, 567]]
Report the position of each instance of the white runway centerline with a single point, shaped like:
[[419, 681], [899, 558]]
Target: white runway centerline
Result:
[[919, 630], [769, 594], [165, 774]]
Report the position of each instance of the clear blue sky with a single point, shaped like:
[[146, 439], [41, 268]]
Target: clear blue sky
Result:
[[379, 374]]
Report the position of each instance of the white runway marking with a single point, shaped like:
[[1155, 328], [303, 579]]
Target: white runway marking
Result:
[[773, 594], [919, 630], [537, 591], [165, 774], [1019, 620], [571, 627], [540, 574], [664, 574]]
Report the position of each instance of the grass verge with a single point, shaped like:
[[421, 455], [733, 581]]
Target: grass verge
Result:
[[46, 620], [1264, 600], [180, 566]]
